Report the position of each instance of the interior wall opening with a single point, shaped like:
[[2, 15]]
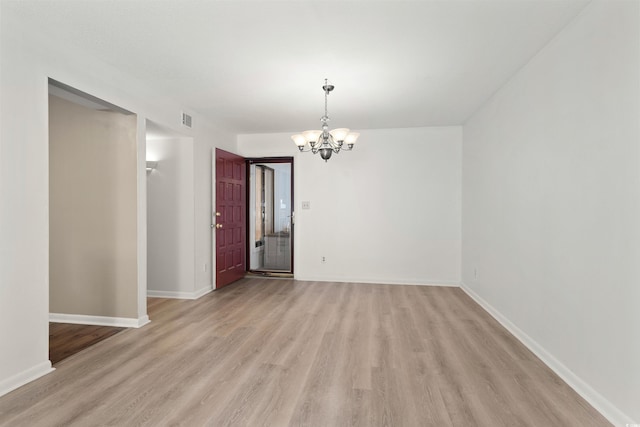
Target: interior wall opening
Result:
[[92, 219]]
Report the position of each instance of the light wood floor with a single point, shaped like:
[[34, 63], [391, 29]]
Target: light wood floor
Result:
[[282, 353]]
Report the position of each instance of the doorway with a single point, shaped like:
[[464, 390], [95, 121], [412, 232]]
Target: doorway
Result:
[[270, 216]]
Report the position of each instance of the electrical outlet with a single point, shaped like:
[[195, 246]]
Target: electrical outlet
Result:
[[323, 260], [306, 205]]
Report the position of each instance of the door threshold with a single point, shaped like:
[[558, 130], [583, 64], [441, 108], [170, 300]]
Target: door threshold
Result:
[[267, 274]]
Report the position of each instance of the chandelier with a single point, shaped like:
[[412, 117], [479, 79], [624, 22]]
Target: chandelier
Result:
[[324, 141]]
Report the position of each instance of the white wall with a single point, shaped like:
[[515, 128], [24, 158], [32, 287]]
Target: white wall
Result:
[[28, 59], [170, 219], [387, 212], [551, 206]]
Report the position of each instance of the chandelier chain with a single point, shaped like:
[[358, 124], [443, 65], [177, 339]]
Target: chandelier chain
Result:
[[326, 94]]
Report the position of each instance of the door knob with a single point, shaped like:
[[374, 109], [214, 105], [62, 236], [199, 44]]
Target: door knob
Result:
[[218, 214], [218, 225]]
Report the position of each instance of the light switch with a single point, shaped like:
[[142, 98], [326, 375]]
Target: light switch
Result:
[[306, 205]]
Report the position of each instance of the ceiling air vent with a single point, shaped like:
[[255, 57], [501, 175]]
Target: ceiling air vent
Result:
[[186, 120]]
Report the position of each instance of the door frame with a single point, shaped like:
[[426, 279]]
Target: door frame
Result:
[[282, 159]]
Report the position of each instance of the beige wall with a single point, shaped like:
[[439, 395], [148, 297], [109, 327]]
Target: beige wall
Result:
[[92, 202]]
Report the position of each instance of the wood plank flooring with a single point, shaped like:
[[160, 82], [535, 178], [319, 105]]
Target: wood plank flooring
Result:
[[66, 339], [266, 352]]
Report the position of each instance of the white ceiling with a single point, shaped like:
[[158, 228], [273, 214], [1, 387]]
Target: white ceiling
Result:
[[258, 66]]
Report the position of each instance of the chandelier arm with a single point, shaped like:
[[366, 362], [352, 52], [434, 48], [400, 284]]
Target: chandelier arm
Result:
[[341, 146], [303, 150], [333, 144]]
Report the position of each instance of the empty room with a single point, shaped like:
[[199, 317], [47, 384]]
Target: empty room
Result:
[[320, 213]]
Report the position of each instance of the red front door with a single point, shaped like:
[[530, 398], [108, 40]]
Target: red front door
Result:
[[230, 218]]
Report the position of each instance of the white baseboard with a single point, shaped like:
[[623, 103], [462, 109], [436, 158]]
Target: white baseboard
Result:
[[379, 281], [595, 399], [24, 377], [81, 319], [143, 321], [179, 295]]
